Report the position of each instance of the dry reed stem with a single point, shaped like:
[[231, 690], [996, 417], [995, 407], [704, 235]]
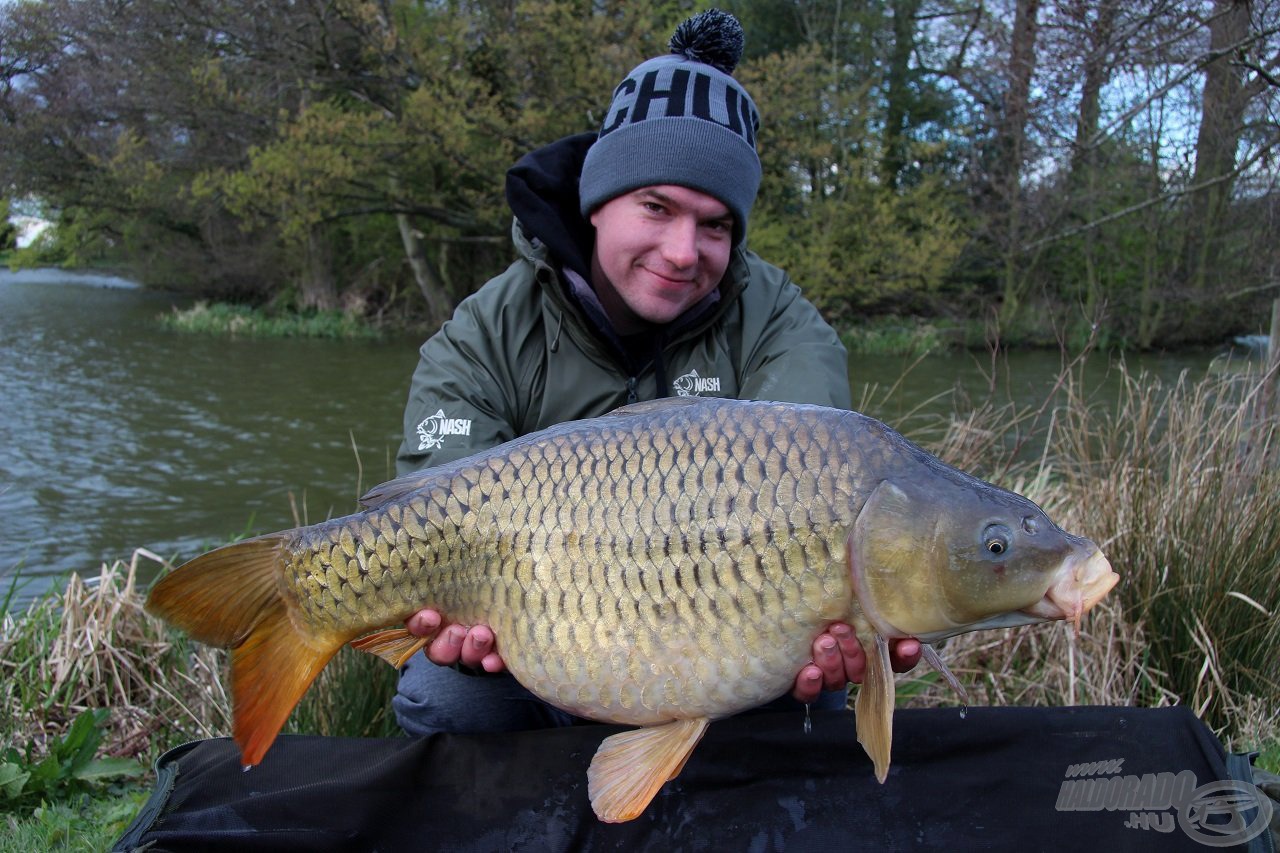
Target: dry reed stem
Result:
[[102, 650]]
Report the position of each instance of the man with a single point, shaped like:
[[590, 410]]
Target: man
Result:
[[632, 283]]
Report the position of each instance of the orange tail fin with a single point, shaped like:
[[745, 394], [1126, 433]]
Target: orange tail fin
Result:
[[230, 597]]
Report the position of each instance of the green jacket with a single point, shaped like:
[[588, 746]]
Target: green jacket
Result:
[[523, 353]]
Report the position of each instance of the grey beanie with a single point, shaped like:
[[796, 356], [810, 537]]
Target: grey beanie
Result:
[[681, 119]]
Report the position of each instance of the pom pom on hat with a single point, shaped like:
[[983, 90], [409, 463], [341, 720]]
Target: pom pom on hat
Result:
[[712, 37], [681, 119]]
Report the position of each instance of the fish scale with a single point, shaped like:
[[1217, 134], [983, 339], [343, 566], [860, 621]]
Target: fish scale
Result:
[[664, 565]]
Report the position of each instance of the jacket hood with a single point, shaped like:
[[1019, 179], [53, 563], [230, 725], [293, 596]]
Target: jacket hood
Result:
[[542, 190]]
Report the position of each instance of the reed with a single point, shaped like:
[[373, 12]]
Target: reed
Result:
[[93, 646], [1183, 483]]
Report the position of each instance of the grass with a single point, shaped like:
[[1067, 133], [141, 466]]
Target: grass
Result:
[[89, 823], [220, 318]]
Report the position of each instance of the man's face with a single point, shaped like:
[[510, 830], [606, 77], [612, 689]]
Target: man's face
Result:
[[659, 250]]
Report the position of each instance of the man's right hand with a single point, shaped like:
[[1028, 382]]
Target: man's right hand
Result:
[[472, 646]]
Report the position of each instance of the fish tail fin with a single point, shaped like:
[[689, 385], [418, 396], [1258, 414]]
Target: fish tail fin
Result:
[[874, 706], [230, 597], [269, 673]]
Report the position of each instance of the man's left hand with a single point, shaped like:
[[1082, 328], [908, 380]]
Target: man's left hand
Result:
[[838, 660]]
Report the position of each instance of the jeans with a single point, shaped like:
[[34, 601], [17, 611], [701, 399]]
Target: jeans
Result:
[[431, 699]]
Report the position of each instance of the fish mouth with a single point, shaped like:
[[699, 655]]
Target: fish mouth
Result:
[[1080, 583]]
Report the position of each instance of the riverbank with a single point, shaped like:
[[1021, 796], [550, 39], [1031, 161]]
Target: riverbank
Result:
[[222, 318], [880, 335]]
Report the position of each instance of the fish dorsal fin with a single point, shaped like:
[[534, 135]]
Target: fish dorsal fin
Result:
[[874, 707], [394, 645], [630, 767], [397, 488], [649, 407]]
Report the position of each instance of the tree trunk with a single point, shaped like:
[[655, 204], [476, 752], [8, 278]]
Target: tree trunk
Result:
[[425, 274], [899, 93], [1082, 177], [1221, 123], [1012, 145], [318, 288], [1097, 72]]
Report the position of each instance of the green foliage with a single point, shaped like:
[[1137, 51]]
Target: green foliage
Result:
[[823, 214], [1269, 757], [8, 231], [53, 247], [221, 318], [69, 766], [895, 336], [88, 822], [353, 155]]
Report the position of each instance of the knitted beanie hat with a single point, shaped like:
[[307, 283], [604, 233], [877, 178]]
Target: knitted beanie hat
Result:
[[681, 119]]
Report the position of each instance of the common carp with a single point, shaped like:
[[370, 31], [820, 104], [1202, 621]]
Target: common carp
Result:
[[662, 566]]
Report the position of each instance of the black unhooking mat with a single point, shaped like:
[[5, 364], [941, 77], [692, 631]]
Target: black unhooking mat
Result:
[[1095, 779]]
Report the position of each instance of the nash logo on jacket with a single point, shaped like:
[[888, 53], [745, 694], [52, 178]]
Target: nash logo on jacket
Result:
[[693, 385], [433, 429]]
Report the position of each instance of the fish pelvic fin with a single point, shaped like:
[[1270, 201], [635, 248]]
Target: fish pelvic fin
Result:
[[394, 645], [935, 660], [230, 597], [874, 705], [630, 767]]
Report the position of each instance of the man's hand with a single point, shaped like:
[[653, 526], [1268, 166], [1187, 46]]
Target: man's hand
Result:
[[838, 659], [471, 646]]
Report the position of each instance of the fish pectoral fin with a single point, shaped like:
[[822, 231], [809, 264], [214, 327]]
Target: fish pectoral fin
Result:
[[874, 706], [935, 660], [394, 645], [630, 767]]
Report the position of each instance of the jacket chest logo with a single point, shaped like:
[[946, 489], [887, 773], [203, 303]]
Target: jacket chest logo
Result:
[[433, 429], [693, 385]]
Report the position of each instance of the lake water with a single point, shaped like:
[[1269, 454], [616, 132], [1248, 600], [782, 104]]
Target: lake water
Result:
[[116, 434]]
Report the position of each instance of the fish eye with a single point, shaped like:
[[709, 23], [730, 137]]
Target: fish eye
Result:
[[997, 540], [1031, 525]]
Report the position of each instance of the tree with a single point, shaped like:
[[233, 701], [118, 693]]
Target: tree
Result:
[[1223, 102]]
